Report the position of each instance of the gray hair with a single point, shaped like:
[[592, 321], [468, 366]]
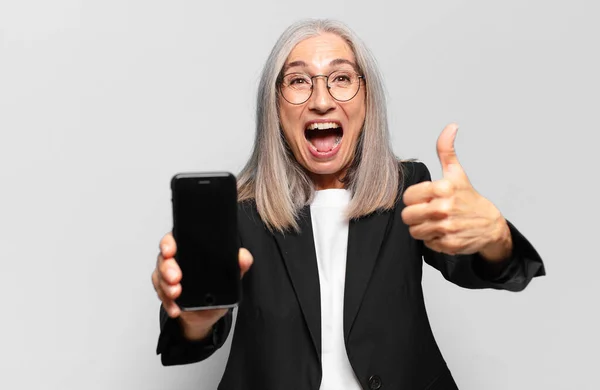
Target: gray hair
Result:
[[277, 182]]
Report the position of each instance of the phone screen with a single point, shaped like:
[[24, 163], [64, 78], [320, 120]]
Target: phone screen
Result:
[[205, 231]]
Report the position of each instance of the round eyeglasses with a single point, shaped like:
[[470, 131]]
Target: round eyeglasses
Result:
[[297, 88]]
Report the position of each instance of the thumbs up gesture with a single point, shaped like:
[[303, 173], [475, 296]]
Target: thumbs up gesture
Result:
[[450, 216]]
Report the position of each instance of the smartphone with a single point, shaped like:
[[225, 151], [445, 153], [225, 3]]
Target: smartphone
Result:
[[205, 231]]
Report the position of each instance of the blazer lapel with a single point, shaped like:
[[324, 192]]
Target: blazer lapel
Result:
[[299, 255], [365, 237]]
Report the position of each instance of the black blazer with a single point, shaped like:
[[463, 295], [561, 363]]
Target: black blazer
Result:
[[277, 340]]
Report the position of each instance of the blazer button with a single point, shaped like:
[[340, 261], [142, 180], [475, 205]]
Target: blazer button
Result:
[[374, 382]]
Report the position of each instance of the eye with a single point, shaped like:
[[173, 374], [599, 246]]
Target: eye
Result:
[[297, 80], [342, 79]]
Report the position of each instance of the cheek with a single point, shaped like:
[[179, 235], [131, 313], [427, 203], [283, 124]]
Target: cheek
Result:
[[289, 124], [357, 118]]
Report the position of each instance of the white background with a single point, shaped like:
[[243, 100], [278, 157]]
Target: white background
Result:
[[101, 102]]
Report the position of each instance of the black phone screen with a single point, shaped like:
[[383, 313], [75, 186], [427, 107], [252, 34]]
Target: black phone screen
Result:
[[205, 231]]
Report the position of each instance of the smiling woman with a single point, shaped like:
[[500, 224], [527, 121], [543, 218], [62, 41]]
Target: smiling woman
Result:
[[339, 228]]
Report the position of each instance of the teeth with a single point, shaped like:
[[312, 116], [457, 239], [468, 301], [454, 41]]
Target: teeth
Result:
[[323, 126]]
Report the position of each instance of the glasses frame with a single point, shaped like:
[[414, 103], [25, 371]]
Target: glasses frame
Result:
[[312, 86]]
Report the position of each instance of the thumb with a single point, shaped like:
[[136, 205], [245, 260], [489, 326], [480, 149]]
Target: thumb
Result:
[[246, 260], [445, 149]]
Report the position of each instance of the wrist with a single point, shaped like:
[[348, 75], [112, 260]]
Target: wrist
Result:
[[194, 332], [499, 249]]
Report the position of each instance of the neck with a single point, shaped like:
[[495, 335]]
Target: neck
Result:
[[327, 182]]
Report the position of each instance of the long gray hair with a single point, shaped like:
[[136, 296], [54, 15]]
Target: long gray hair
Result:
[[274, 179]]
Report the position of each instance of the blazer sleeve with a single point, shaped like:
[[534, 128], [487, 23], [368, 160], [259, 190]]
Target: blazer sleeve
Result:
[[470, 271], [175, 349]]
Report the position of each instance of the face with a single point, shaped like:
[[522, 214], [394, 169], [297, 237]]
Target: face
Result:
[[323, 132]]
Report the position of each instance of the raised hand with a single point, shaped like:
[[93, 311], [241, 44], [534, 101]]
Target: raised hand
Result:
[[450, 216]]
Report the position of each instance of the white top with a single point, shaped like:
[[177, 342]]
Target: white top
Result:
[[330, 230]]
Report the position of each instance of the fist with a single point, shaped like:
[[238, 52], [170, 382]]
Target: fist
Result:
[[448, 214]]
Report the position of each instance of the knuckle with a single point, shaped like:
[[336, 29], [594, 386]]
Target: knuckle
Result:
[[453, 245], [446, 206], [448, 226], [404, 215], [446, 187], [413, 230], [166, 268], [174, 291], [168, 290], [406, 197], [440, 229]]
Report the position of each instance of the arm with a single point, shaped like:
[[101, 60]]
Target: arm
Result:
[[175, 349], [473, 271], [509, 263]]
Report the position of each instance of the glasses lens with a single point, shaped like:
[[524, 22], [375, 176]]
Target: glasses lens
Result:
[[296, 87], [343, 84]]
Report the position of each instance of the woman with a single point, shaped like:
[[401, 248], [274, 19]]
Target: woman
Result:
[[336, 229]]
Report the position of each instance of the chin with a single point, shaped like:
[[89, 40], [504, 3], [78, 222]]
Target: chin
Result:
[[319, 168]]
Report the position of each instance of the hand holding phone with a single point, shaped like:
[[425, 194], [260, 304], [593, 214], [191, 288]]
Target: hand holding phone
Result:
[[203, 248], [166, 281]]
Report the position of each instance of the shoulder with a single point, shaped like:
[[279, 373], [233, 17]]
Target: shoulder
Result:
[[412, 171], [247, 209]]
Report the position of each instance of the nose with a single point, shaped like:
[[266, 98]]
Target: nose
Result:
[[320, 100]]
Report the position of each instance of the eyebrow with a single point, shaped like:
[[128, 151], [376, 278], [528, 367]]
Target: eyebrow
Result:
[[337, 61]]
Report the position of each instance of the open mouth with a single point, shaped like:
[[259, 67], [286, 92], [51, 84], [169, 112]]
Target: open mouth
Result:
[[324, 137]]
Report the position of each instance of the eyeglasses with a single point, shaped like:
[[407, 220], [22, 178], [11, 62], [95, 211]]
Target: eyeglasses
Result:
[[297, 88]]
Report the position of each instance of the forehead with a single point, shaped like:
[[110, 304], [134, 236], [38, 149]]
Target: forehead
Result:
[[319, 51]]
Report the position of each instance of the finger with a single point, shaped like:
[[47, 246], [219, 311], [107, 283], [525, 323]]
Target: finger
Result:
[[170, 291], [165, 291], [443, 188], [425, 231], [169, 271], [445, 147], [155, 280], [171, 308], [159, 260], [167, 246], [446, 244], [421, 212], [246, 260], [428, 190], [162, 297], [418, 193], [434, 244], [448, 230]]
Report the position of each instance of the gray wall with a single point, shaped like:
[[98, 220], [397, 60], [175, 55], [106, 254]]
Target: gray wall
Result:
[[102, 101]]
